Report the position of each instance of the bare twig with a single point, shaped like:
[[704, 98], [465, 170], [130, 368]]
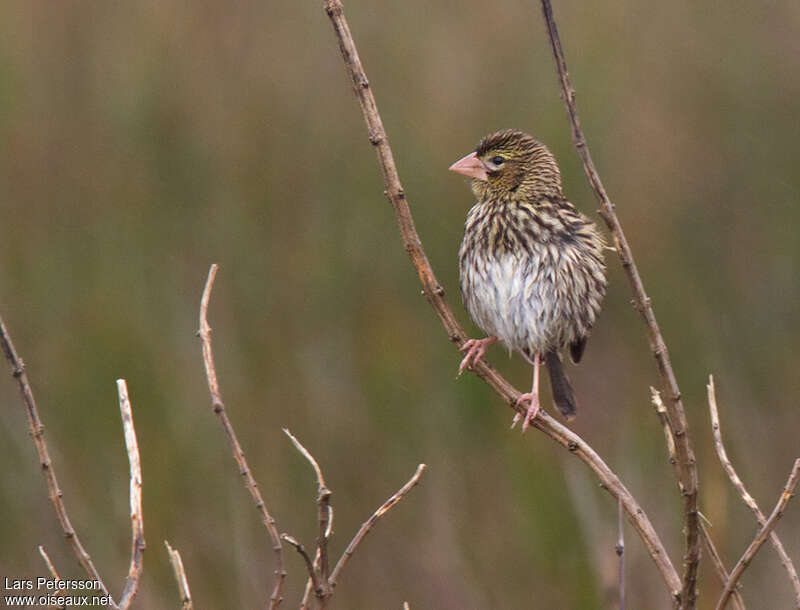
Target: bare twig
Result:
[[434, 293], [716, 559], [719, 566], [137, 523], [36, 428], [675, 411], [620, 550], [763, 534], [312, 573], [219, 408], [51, 568], [324, 512], [180, 577], [746, 497], [367, 525]]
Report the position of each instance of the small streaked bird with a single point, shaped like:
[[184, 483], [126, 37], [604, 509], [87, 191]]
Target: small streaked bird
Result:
[[531, 266]]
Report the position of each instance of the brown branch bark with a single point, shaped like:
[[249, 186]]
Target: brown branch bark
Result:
[[434, 294], [219, 408], [675, 411], [137, 522], [722, 454], [52, 569], [761, 537], [36, 428], [180, 577], [716, 558]]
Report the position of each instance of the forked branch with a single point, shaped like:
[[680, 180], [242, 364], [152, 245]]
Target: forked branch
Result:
[[434, 293]]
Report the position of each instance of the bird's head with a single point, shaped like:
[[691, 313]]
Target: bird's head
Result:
[[511, 164]]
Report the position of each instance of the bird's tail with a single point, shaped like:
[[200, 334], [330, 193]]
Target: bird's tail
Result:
[[563, 395]]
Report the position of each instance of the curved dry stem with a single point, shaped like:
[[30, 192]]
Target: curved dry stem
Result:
[[434, 294], [36, 428], [219, 408], [746, 497], [137, 521], [675, 412], [761, 537]]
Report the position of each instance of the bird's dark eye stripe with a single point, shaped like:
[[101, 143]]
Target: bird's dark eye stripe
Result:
[[498, 160]]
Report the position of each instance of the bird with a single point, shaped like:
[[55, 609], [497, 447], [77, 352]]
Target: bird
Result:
[[531, 266]]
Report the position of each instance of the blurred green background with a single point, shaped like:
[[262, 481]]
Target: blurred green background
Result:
[[142, 141]]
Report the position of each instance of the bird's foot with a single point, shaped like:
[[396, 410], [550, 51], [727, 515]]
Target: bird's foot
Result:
[[474, 349], [533, 409]]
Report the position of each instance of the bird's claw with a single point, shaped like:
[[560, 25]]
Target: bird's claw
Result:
[[474, 349], [533, 410]]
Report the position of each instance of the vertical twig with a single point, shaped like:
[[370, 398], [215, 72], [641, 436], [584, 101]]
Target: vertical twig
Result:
[[761, 537], [746, 497], [434, 293], [36, 428], [219, 408], [675, 411], [180, 577], [716, 559], [137, 522]]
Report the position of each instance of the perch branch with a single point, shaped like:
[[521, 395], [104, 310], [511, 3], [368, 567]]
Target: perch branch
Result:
[[434, 293], [716, 559], [312, 573], [746, 497], [762, 535], [620, 550], [367, 525], [219, 408], [180, 577], [36, 428], [675, 411], [137, 522]]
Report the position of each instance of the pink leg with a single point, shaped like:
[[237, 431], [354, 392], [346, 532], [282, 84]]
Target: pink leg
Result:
[[531, 397], [474, 349]]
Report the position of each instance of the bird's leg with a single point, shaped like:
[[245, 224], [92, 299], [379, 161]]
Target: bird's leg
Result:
[[474, 349], [531, 397]]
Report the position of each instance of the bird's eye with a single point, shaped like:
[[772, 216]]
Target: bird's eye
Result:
[[498, 160]]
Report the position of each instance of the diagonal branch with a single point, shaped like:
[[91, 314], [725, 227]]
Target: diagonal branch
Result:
[[36, 428], [233, 441], [434, 293], [761, 537], [137, 523], [367, 525], [180, 577], [746, 497], [677, 417]]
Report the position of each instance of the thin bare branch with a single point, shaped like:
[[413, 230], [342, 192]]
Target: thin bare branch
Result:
[[219, 408], [719, 567], [36, 428], [716, 559], [180, 577], [761, 537], [675, 411], [367, 525], [51, 568], [137, 521], [312, 573], [746, 497], [324, 512], [434, 293]]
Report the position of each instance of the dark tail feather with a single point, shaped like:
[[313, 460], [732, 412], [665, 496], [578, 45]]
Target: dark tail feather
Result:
[[563, 395]]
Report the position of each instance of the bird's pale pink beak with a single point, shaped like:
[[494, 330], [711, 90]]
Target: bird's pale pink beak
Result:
[[470, 166]]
